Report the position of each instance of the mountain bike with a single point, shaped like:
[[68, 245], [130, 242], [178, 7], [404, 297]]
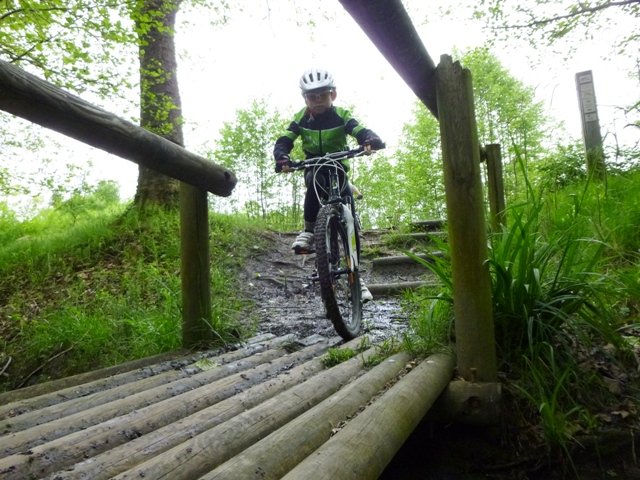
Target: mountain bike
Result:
[[337, 241]]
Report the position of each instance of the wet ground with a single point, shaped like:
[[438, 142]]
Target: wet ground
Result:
[[287, 301]]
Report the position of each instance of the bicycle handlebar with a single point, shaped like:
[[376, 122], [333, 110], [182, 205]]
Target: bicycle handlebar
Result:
[[329, 157]]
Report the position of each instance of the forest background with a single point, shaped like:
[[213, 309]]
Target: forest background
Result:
[[222, 72]]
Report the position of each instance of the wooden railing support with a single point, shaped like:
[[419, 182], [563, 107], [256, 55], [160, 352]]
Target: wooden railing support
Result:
[[475, 341], [495, 185], [38, 101], [195, 273]]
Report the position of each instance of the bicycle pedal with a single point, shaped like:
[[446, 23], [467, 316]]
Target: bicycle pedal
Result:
[[303, 251]]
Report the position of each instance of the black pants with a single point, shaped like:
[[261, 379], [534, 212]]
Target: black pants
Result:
[[311, 203]]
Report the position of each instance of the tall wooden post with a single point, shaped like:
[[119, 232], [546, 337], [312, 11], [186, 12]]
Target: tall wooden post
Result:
[[194, 246], [495, 184], [590, 125], [475, 340]]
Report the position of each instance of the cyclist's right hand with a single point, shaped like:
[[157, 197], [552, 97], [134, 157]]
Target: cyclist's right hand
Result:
[[283, 164]]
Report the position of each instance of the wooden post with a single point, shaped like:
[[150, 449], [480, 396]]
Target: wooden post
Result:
[[475, 342], [195, 275], [590, 125], [495, 184]]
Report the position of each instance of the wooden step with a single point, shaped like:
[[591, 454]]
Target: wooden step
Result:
[[395, 260], [427, 225], [392, 289]]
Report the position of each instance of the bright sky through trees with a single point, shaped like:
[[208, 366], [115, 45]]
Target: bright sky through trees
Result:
[[261, 54]]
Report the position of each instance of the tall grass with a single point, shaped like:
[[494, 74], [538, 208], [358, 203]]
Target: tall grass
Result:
[[565, 277], [103, 289]]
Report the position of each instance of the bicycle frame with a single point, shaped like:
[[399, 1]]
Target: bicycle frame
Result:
[[330, 166], [336, 242]]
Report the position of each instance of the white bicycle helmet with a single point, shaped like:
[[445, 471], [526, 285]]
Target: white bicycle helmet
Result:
[[316, 78]]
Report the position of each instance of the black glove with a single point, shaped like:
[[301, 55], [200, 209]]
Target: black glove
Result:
[[374, 141], [283, 161]]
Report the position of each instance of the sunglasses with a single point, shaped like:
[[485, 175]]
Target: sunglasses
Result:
[[318, 96]]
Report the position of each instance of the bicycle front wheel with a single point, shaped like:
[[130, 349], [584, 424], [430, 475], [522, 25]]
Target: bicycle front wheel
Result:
[[339, 279]]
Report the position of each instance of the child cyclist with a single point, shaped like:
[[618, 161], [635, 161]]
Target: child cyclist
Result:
[[323, 129]]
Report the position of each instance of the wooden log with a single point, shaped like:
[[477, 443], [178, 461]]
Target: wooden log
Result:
[[40, 410], [24, 440], [273, 457], [420, 236], [126, 456], [38, 101], [495, 184], [469, 403], [427, 225], [41, 395], [363, 448], [57, 454], [197, 328], [389, 27], [17, 402], [397, 288], [199, 455], [395, 260], [472, 304]]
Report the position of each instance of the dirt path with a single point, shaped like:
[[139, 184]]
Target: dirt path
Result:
[[286, 300]]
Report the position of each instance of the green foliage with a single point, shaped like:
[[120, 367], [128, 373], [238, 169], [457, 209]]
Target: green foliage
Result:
[[559, 411], [541, 284], [382, 351], [543, 22], [245, 146], [559, 168], [507, 114], [406, 185], [430, 308], [336, 356], [101, 287], [71, 43], [553, 27], [565, 284]]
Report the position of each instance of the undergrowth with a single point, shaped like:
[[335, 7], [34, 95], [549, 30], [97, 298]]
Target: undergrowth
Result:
[[566, 287], [94, 290]]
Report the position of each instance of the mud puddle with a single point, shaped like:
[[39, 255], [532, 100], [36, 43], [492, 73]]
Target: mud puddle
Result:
[[286, 301]]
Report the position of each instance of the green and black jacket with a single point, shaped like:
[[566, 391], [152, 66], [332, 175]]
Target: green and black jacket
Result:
[[321, 134]]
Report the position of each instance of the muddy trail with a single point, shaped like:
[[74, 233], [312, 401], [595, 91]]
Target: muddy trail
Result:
[[286, 300]]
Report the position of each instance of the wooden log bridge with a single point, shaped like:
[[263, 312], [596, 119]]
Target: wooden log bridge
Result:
[[269, 409]]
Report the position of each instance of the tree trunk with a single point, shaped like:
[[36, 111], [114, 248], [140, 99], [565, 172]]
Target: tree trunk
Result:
[[160, 105]]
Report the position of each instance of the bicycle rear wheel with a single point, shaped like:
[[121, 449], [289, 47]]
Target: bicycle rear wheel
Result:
[[339, 280]]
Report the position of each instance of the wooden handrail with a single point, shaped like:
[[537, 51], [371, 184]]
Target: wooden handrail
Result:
[[41, 102], [389, 27]]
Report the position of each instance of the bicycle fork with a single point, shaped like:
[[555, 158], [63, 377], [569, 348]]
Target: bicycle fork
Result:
[[350, 224]]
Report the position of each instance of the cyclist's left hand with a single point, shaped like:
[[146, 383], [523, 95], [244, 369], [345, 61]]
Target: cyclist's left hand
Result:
[[372, 142]]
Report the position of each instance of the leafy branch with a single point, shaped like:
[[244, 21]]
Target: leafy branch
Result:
[[576, 11]]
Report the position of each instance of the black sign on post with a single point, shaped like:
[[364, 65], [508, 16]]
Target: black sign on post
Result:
[[590, 124]]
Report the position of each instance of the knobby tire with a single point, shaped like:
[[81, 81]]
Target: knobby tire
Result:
[[340, 292]]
